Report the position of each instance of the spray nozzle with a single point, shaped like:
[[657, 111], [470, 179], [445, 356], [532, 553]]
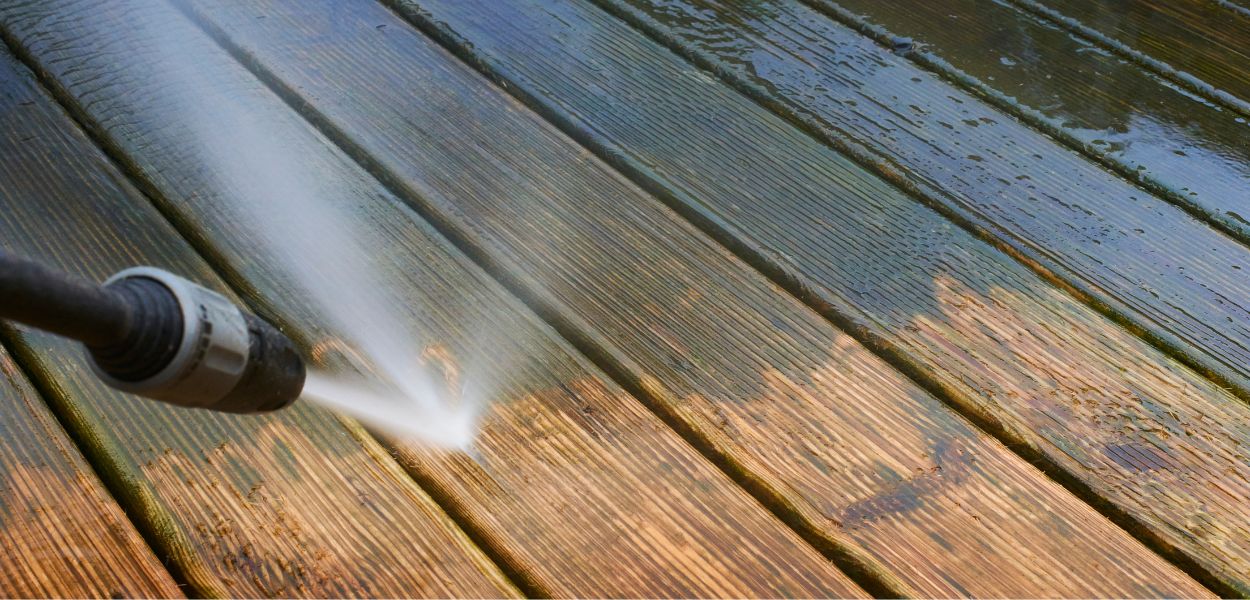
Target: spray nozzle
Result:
[[157, 335]]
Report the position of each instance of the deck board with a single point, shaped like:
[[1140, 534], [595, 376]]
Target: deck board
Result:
[[1197, 38], [1178, 145], [1129, 425], [767, 299], [1168, 274], [61, 534], [744, 367], [578, 490], [239, 506]]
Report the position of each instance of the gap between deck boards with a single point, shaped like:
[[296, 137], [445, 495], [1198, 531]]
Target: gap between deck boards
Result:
[[757, 257], [876, 581], [943, 201], [1159, 67], [614, 368], [441, 496], [156, 525]]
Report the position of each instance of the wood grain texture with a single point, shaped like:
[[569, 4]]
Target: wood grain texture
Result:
[[1199, 37], [1202, 45], [1238, 8], [859, 456], [1144, 128], [1165, 272], [61, 534], [1178, 145], [294, 504], [577, 489], [1128, 425]]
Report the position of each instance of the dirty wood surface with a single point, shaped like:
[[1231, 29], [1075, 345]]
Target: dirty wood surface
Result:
[[744, 368], [576, 489], [1198, 39], [290, 504], [736, 335], [1165, 272], [1125, 423], [1178, 145], [61, 534]]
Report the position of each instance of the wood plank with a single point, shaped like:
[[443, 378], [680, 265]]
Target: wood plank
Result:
[[1149, 439], [290, 504], [1198, 43], [578, 489], [1166, 273], [1178, 145], [61, 534], [1238, 8], [749, 371]]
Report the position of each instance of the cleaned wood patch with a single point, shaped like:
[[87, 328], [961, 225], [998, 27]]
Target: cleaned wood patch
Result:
[[577, 489], [291, 504], [61, 534], [1169, 274], [1091, 401], [1199, 38], [861, 458]]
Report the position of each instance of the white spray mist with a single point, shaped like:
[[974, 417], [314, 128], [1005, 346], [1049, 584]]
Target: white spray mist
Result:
[[297, 213]]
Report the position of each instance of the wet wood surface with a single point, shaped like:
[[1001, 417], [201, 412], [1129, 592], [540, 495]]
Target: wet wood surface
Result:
[[1178, 145], [1199, 38], [1131, 428], [934, 508], [61, 534], [576, 489], [754, 375], [1149, 263], [293, 504]]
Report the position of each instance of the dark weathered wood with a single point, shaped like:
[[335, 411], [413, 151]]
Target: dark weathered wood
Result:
[[1199, 37], [577, 489], [61, 534], [1176, 144], [1095, 405], [1075, 221], [832, 437], [292, 504], [1198, 43], [1239, 7]]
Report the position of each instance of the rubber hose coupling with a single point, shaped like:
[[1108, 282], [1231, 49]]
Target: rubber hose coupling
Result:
[[189, 346]]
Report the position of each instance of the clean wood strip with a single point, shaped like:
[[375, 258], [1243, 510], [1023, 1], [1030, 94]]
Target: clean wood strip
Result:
[[290, 504], [1151, 441], [61, 534], [577, 489], [1094, 232], [1199, 44], [862, 457]]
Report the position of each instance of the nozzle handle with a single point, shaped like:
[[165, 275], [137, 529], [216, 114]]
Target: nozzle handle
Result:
[[38, 296]]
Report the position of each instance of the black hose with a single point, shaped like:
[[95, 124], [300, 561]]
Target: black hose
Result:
[[140, 340], [33, 294]]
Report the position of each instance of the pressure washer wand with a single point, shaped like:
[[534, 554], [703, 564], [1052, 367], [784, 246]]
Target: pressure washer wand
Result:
[[151, 333]]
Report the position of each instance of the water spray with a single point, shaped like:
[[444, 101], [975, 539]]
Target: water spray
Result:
[[151, 333]]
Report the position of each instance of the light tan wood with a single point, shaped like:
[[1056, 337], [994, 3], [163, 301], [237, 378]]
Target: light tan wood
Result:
[[61, 534], [1132, 430], [840, 443], [1071, 219], [578, 490], [294, 504]]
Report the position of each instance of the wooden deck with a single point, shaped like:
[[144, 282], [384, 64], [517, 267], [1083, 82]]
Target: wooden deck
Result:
[[800, 298]]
